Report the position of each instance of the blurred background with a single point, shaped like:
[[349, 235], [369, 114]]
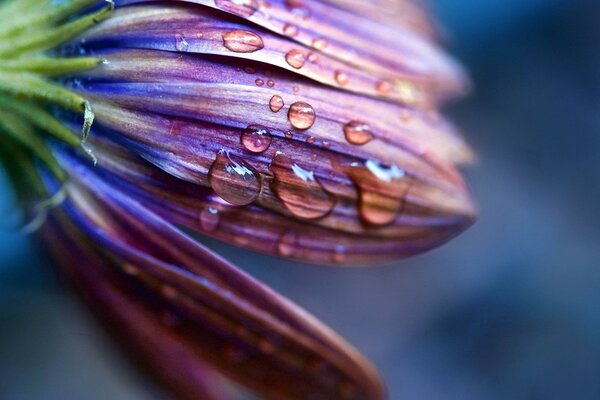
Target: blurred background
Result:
[[509, 310]]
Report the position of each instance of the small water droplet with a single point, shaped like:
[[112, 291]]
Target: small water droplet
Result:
[[319, 43], [298, 189], [249, 70], [358, 133], [289, 135], [256, 138], [301, 115], [259, 82], [276, 103], [310, 140], [296, 88], [242, 8], [181, 44], [381, 190], [298, 8], [270, 83], [288, 244], [233, 180], [383, 87], [341, 78], [312, 57], [209, 218], [295, 58], [242, 41], [290, 30]]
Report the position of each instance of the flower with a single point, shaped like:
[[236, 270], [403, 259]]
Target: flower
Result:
[[303, 129]]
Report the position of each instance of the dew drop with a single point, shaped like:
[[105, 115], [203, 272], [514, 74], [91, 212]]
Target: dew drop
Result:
[[290, 30], [209, 219], [249, 70], [310, 140], [181, 44], [295, 58], [242, 8], [259, 82], [242, 41], [382, 190], [288, 244], [301, 115], [298, 189], [276, 103], [383, 87], [358, 133], [270, 83], [312, 57], [319, 43], [298, 8], [289, 135], [341, 78], [256, 138], [233, 180]]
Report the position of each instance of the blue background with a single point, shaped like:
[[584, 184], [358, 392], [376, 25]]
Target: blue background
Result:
[[511, 309]]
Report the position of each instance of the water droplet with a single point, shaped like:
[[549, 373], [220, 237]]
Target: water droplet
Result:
[[290, 30], [209, 218], [181, 44], [358, 133], [295, 58], [256, 139], [288, 244], [312, 57], [259, 82], [276, 103], [339, 254], [249, 70], [270, 83], [298, 189], [407, 92], [341, 78], [296, 88], [298, 8], [383, 87], [242, 8], [310, 140], [301, 115], [381, 190], [289, 135], [242, 41], [233, 180], [319, 43]]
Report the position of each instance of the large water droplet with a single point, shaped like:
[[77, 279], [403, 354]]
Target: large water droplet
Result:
[[358, 133], [382, 190], [295, 58], [276, 103], [233, 180], [298, 189], [243, 8], [256, 138], [301, 115], [209, 218], [242, 41], [290, 30]]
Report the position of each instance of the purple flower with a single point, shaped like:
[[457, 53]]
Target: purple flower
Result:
[[303, 129]]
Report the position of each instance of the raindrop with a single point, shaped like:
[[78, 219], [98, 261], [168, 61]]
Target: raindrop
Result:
[[270, 83], [276, 103], [301, 115], [310, 140], [383, 87], [319, 44], [298, 189], [341, 78], [358, 133], [382, 190], [233, 180], [181, 44], [259, 82], [242, 41], [242, 8], [256, 138], [295, 58], [290, 30], [209, 218]]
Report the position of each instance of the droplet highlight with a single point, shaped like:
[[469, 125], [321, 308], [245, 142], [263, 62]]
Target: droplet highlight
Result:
[[209, 219], [276, 103], [295, 58]]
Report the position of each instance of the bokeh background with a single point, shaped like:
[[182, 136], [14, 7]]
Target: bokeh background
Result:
[[510, 310]]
